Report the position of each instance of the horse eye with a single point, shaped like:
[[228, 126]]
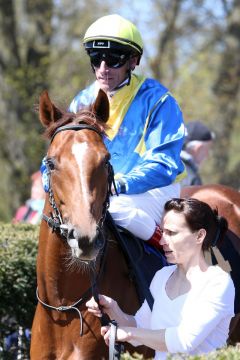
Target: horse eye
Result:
[[51, 163]]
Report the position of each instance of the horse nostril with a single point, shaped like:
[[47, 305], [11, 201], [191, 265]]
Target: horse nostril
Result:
[[73, 233]]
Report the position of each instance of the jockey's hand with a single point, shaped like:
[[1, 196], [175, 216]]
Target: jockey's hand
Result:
[[120, 187], [115, 190], [106, 305]]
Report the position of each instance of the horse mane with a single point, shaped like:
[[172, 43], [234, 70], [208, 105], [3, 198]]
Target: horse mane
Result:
[[84, 116]]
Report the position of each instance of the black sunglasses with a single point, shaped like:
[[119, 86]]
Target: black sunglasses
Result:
[[113, 60]]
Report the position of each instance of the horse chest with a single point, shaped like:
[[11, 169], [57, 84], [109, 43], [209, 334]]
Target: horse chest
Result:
[[62, 340]]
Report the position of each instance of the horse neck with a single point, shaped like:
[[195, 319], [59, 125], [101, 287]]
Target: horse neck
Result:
[[59, 281]]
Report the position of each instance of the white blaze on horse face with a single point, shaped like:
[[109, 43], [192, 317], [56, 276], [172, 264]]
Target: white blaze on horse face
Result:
[[79, 150]]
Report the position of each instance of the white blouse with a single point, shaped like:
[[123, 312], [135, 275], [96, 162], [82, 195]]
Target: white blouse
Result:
[[196, 322]]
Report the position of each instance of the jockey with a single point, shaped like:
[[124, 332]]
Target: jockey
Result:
[[146, 129]]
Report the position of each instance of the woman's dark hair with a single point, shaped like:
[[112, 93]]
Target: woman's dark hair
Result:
[[199, 215]]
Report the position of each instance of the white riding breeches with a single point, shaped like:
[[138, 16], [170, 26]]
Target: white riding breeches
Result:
[[139, 213]]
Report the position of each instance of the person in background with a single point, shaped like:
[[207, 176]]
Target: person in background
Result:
[[146, 129], [193, 301], [198, 143], [31, 211]]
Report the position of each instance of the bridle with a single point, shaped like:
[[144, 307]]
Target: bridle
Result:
[[55, 221]]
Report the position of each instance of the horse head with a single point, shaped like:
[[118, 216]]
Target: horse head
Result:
[[78, 170]]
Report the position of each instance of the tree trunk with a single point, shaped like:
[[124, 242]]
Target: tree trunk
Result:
[[226, 89], [25, 34]]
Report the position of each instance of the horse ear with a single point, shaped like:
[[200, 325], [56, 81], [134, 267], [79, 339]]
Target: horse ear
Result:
[[101, 106], [48, 112]]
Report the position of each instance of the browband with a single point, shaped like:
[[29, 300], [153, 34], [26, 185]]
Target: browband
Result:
[[76, 128]]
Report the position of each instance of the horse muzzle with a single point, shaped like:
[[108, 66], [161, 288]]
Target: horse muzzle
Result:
[[85, 247]]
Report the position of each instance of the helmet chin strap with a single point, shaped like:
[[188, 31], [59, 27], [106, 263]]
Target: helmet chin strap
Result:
[[128, 78], [129, 74]]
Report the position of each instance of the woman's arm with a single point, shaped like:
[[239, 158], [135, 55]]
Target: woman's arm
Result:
[[127, 330], [155, 339]]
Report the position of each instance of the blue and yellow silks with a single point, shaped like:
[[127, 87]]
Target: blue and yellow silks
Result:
[[146, 134]]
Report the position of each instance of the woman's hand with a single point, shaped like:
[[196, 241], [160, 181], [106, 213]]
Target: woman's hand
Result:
[[123, 334], [111, 308], [106, 305]]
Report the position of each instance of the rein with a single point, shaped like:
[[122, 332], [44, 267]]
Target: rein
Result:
[[115, 348]]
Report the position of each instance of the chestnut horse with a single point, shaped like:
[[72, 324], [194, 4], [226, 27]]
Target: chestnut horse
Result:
[[72, 242], [227, 201]]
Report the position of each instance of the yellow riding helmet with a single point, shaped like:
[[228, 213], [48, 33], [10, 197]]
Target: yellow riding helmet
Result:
[[113, 32]]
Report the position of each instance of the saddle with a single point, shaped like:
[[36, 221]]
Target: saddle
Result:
[[143, 259]]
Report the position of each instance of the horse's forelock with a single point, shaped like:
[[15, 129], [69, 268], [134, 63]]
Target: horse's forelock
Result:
[[84, 116], [88, 117]]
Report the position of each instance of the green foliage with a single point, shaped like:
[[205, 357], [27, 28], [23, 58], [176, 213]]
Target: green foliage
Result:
[[41, 50], [24, 64], [228, 353], [135, 356], [18, 249]]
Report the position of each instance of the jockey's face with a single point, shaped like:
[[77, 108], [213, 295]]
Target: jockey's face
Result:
[[109, 78]]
